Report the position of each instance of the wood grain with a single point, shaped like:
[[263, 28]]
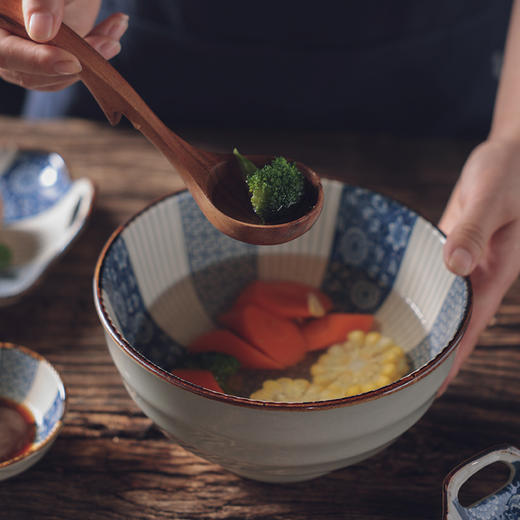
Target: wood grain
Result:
[[111, 463]]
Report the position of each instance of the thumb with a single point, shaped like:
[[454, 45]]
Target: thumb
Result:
[[468, 238], [42, 18]]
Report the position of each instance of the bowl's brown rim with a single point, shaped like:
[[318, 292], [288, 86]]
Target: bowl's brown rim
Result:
[[404, 382], [37, 446]]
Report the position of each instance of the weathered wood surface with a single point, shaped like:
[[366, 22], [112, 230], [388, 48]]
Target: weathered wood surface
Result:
[[111, 463]]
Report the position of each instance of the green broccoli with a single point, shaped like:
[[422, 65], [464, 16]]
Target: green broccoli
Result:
[[222, 366], [5, 257], [274, 188]]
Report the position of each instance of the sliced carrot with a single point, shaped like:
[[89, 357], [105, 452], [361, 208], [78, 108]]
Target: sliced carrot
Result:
[[225, 342], [333, 328], [286, 299], [278, 338], [202, 378]]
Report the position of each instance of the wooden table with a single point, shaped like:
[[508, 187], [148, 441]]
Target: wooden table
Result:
[[111, 463]]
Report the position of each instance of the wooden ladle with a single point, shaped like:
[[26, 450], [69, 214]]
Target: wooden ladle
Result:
[[214, 180]]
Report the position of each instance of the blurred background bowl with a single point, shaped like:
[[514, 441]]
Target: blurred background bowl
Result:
[[42, 212], [28, 379], [163, 278]]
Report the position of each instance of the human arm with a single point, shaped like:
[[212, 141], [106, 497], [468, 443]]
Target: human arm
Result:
[[48, 68], [482, 217]]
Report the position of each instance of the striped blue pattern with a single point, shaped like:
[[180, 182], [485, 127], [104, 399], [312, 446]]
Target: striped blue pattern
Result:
[[366, 251]]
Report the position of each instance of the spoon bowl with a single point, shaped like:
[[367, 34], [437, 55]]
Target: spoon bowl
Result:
[[213, 179]]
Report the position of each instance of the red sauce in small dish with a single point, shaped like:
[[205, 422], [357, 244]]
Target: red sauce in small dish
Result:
[[17, 429]]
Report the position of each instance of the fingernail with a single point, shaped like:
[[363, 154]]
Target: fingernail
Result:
[[109, 49], [67, 67], [40, 26], [460, 262]]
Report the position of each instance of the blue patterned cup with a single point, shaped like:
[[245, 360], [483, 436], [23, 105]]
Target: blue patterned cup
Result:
[[503, 504], [28, 379], [163, 278]]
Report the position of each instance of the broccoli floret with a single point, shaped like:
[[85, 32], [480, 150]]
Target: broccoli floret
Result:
[[222, 366], [273, 188], [5, 257]]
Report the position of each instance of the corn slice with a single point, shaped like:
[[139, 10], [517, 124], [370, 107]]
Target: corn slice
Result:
[[363, 363]]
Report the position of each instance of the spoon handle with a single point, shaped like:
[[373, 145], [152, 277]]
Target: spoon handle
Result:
[[115, 95]]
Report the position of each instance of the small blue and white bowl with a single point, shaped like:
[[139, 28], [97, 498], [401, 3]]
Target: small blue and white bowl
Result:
[[162, 279], [29, 379], [43, 211]]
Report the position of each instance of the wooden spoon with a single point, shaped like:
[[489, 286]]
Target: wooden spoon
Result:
[[214, 180]]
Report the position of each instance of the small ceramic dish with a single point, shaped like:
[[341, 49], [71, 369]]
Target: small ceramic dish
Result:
[[503, 504], [164, 277], [28, 379], [43, 211]]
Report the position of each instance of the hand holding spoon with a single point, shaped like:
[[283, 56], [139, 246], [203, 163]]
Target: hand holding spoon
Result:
[[214, 180]]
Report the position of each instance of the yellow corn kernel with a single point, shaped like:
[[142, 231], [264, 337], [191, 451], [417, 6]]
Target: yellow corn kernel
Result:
[[368, 387], [382, 380], [389, 368], [353, 390], [385, 342], [356, 336], [390, 356], [372, 338], [331, 394]]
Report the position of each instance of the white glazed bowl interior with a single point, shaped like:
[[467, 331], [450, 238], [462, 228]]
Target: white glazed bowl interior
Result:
[[29, 379], [164, 277]]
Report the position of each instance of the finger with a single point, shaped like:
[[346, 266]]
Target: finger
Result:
[[42, 18], [113, 27], [105, 36], [21, 55], [36, 82], [468, 238]]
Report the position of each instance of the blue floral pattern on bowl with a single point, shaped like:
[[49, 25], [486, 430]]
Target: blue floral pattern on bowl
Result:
[[503, 504], [139, 328], [31, 182], [371, 237], [372, 233]]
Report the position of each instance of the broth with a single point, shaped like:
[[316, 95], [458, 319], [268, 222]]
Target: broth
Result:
[[399, 320]]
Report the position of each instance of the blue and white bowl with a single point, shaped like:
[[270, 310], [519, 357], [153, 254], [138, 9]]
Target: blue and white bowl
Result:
[[42, 212], [164, 276], [29, 379], [502, 504]]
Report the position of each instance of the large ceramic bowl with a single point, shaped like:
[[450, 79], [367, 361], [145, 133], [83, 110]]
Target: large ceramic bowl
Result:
[[164, 276]]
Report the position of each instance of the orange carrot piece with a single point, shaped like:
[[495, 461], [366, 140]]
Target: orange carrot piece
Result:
[[286, 299], [225, 342], [333, 328], [278, 338], [202, 378]]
